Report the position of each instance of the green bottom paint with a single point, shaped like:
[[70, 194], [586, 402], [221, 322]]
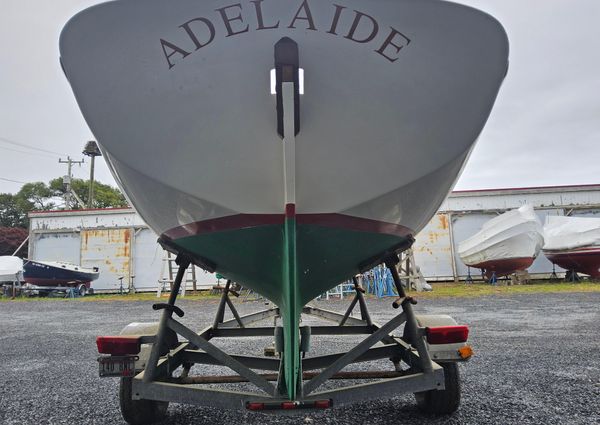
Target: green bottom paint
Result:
[[289, 264]]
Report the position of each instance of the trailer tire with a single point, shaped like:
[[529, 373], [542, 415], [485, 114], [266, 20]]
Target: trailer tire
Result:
[[442, 402], [139, 412], [82, 290]]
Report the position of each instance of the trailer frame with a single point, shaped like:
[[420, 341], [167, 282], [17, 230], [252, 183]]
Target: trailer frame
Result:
[[155, 382]]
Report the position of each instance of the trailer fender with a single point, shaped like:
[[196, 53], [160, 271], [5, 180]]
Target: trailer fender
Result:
[[149, 329], [441, 352]]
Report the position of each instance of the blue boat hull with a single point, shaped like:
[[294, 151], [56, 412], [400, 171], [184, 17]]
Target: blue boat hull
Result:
[[46, 275]]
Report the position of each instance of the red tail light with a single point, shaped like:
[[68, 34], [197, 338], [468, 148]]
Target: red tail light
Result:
[[447, 334], [323, 404], [118, 345], [255, 406], [289, 405]]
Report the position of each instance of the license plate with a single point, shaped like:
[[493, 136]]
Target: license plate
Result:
[[117, 365]]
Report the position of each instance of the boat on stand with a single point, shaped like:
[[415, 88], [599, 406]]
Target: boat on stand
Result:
[[573, 243], [11, 269], [505, 244], [238, 132], [45, 275]]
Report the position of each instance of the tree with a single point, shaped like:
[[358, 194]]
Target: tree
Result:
[[41, 197], [13, 212], [105, 196], [11, 238], [38, 195]]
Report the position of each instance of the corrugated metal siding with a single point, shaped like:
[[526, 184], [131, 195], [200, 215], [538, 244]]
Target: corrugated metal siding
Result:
[[147, 260], [585, 213], [110, 251], [464, 226], [56, 246], [432, 249], [55, 235], [53, 220], [204, 279], [505, 200], [541, 265]]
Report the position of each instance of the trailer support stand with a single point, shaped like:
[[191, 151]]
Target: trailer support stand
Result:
[[225, 300], [360, 299], [149, 374], [415, 333]]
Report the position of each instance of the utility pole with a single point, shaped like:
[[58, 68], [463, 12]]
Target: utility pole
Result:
[[91, 150], [67, 178]]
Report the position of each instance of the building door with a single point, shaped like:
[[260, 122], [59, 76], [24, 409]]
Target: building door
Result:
[[110, 251]]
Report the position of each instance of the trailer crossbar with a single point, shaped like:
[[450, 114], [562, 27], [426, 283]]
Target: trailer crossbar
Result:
[[220, 355], [351, 355]]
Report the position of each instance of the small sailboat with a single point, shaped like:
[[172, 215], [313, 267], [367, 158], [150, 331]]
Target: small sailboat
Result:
[[58, 273], [505, 244], [573, 243]]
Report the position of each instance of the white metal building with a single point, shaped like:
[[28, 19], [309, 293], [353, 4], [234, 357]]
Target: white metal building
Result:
[[121, 244], [116, 241], [464, 212]]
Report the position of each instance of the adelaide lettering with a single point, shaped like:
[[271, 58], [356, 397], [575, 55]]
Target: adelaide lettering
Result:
[[237, 19]]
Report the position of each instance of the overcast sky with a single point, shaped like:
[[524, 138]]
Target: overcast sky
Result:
[[544, 128]]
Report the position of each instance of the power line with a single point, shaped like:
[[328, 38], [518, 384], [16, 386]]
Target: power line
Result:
[[45, 155], [13, 181], [23, 145]]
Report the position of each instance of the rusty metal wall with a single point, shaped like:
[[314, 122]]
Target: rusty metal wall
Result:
[[55, 246], [110, 251], [432, 249], [147, 260], [85, 219], [541, 265], [464, 226], [505, 199], [120, 244], [585, 212], [205, 280]]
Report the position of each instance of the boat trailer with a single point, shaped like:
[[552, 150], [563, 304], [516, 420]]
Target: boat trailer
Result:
[[147, 356]]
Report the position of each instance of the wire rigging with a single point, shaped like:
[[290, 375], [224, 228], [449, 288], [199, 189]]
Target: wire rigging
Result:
[[41, 154], [24, 145], [11, 180]]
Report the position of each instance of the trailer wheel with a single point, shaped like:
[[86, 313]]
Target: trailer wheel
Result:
[[82, 290], [139, 412], [442, 402]]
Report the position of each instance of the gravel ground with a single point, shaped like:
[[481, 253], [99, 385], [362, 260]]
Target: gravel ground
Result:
[[537, 361]]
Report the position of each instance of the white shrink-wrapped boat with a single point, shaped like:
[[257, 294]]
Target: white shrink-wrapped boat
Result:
[[11, 269], [573, 243], [505, 244]]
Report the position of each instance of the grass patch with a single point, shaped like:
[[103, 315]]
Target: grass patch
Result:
[[440, 290], [483, 289], [142, 296]]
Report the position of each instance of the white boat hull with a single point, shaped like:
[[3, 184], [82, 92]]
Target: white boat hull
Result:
[[193, 137], [505, 244], [573, 243], [11, 269]]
